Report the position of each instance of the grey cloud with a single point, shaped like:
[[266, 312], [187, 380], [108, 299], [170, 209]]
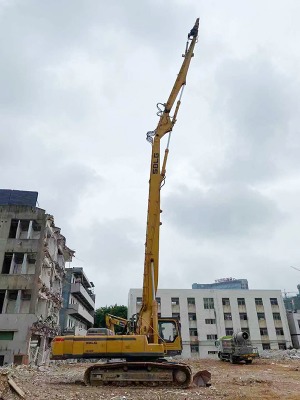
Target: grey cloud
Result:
[[258, 105], [222, 212], [111, 256]]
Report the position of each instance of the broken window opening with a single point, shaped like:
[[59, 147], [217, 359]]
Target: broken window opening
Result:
[[6, 263], [2, 297], [12, 296], [13, 229]]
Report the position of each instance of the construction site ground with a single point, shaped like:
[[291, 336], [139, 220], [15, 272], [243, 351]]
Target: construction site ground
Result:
[[264, 379]]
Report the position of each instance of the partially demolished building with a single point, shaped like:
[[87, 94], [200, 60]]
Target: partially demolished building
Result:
[[33, 253]]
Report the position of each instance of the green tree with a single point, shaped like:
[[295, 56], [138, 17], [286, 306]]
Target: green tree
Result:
[[118, 311]]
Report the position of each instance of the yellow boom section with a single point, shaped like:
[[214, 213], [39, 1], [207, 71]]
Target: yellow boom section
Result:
[[147, 321]]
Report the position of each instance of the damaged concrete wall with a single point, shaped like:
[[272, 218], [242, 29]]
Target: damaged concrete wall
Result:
[[33, 253]]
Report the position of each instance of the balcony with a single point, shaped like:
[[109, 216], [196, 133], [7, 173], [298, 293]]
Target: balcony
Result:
[[16, 282], [228, 323], [260, 308], [265, 338], [244, 323], [262, 323], [175, 308], [275, 307], [192, 324], [277, 323], [227, 308], [80, 312], [79, 292], [191, 308]]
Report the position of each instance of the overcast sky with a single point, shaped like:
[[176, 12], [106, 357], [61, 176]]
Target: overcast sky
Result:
[[79, 83]]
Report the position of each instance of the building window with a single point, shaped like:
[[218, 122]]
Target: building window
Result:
[[210, 321], [192, 317], [6, 263], [191, 301], [139, 300], [282, 346], [299, 323], [12, 294], [212, 352], [226, 302], [212, 337], [261, 316], [274, 302], [158, 300], [276, 316], [194, 348], [227, 316], [266, 346], [176, 315], [175, 301], [279, 331], [243, 316], [228, 331], [7, 335], [13, 229], [241, 302], [263, 331], [258, 302], [2, 297], [193, 332], [208, 303]]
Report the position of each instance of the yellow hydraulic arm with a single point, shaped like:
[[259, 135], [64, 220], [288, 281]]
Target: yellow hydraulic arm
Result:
[[147, 322], [111, 321]]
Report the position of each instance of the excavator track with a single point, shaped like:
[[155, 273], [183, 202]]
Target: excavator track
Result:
[[139, 373]]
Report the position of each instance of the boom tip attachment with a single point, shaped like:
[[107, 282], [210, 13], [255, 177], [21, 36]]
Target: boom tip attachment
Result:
[[194, 31]]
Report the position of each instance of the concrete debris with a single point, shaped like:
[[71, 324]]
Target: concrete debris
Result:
[[9, 390], [15, 387], [281, 354], [265, 379]]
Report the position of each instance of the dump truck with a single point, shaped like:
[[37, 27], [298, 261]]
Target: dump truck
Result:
[[236, 348]]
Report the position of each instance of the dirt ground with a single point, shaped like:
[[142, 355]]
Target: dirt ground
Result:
[[264, 379]]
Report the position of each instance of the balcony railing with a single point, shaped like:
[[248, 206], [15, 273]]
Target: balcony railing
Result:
[[78, 290], [81, 312]]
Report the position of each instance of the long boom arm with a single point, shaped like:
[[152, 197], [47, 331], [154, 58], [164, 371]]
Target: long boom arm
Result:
[[147, 321]]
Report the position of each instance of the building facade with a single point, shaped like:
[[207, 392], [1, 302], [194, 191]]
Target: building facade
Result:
[[33, 253], [208, 314], [77, 314], [225, 283]]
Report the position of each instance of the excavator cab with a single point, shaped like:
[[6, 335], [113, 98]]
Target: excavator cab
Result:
[[169, 331]]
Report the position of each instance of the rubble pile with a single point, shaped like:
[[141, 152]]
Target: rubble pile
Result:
[[281, 354], [265, 379]]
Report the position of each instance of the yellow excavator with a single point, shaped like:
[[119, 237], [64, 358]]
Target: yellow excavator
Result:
[[146, 339]]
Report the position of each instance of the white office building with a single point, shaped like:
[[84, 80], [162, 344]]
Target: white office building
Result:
[[206, 314]]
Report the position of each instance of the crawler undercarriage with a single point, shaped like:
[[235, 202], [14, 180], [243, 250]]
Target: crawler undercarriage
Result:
[[162, 373]]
